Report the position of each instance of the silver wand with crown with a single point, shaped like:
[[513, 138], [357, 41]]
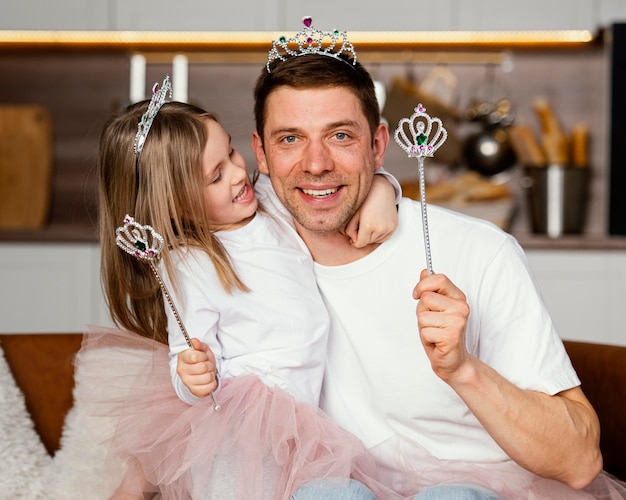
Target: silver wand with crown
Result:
[[144, 243], [419, 139]]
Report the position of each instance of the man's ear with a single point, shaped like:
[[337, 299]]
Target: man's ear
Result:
[[381, 141], [259, 152]]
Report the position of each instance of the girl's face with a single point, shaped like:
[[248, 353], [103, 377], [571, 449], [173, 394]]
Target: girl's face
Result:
[[228, 195]]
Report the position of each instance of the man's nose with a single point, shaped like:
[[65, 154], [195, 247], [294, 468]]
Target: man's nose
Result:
[[317, 158]]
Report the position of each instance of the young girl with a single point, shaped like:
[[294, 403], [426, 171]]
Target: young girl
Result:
[[245, 291]]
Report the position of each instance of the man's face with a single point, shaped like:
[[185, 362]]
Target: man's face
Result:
[[317, 148]]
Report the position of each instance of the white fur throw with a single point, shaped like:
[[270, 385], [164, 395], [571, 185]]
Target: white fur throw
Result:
[[79, 470], [23, 456]]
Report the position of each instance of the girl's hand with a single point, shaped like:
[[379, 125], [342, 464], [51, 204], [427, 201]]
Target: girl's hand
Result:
[[377, 218], [197, 369]]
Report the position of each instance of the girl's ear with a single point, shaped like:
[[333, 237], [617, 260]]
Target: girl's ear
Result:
[[259, 152]]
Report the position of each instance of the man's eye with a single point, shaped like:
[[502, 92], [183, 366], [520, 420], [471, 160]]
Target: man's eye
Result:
[[290, 139], [341, 136]]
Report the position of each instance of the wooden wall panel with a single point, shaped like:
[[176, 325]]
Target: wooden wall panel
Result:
[[79, 91]]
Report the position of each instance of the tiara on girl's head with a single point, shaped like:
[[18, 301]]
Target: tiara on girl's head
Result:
[[158, 99], [312, 41]]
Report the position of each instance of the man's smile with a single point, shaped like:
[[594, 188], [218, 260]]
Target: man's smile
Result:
[[320, 193]]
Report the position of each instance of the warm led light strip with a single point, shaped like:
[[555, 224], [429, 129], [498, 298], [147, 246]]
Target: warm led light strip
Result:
[[259, 40], [480, 37]]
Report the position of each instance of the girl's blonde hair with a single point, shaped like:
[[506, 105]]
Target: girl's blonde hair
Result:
[[162, 188]]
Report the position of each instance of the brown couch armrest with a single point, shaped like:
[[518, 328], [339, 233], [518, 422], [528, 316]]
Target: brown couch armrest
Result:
[[602, 371], [43, 368]]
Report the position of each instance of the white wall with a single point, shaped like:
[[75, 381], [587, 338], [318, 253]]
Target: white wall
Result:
[[585, 292], [56, 288], [50, 288], [351, 15]]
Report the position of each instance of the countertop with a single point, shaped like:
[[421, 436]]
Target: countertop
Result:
[[59, 233]]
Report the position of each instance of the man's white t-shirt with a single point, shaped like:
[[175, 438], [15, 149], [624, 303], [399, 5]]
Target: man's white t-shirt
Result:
[[379, 384]]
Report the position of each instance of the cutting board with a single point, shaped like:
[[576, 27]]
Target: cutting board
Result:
[[25, 166]]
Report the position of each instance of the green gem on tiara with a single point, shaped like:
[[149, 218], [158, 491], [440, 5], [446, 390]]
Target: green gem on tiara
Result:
[[282, 39], [140, 245], [421, 139]]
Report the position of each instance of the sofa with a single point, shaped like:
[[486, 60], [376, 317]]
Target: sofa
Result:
[[42, 366]]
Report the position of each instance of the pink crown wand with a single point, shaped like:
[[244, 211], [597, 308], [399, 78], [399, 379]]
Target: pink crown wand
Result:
[[144, 243], [413, 135]]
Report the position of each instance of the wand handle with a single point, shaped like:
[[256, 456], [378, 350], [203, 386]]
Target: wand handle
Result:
[[144, 243], [157, 275], [429, 261]]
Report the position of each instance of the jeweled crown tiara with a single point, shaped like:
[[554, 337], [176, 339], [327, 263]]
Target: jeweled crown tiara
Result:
[[420, 135], [312, 41], [159, 95]]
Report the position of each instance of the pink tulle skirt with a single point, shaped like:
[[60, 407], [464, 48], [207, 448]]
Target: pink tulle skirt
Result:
[[409, 468], [261, 444]]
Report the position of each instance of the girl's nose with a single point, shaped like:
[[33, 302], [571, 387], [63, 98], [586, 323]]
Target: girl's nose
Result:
[[238, 174]]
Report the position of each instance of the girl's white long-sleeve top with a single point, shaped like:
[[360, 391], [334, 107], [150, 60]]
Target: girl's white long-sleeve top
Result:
[[277, 331]]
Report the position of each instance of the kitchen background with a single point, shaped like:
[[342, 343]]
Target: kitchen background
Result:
[[49, 255]]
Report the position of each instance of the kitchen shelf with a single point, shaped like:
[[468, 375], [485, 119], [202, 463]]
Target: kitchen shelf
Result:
[[51, 233], [88, 234], [530, 241], [251, 42]]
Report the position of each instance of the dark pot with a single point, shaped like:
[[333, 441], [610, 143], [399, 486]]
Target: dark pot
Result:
[[489, 151]]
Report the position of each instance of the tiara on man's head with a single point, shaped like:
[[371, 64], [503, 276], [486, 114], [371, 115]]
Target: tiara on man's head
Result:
[[158, 99], [312, 41]]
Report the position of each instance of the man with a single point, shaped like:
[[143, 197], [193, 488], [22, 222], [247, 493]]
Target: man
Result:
[[480, 384]]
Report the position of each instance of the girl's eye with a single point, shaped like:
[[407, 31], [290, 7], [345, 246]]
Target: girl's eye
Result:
[[217, 177]]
